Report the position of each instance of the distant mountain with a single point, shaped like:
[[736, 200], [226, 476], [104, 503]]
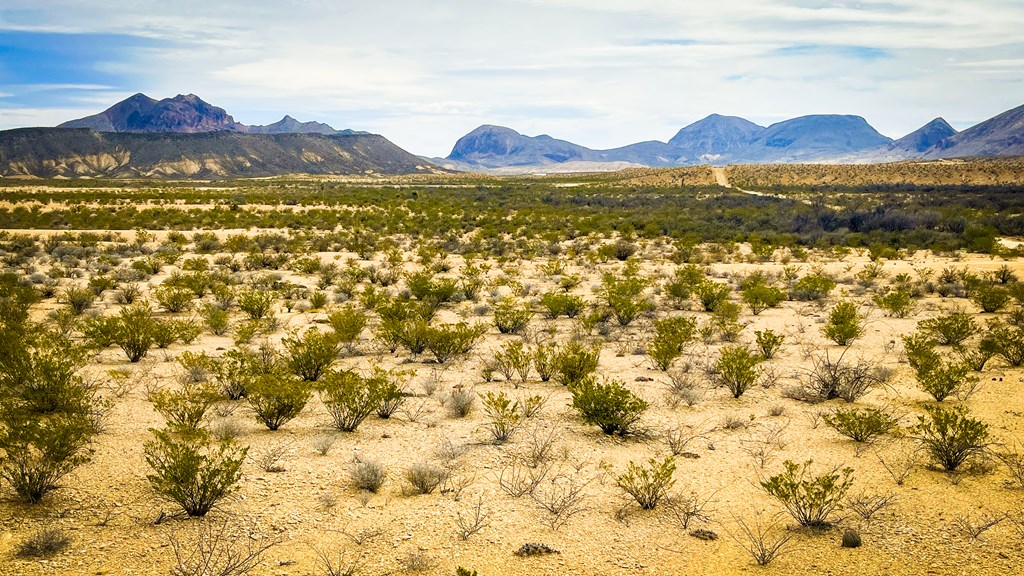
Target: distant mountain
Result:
[[186, 114], [1002, 135], [924, 138], [811, 139], [708, 139], [78, 152], [496, 146], [140, 113]]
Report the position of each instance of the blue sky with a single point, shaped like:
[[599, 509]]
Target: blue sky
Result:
[[603, 73]]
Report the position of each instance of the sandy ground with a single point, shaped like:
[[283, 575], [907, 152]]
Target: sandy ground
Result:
[[310, 509]]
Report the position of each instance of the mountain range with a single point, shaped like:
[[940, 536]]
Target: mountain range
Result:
[[720, 140], [186, 137]]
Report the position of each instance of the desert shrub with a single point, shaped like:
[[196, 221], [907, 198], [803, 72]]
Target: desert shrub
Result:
[[317, 299], [165, 332], [608, 405], [736, 369], [844, 324], [944, 379], [460, 402], [768, 342], [448, 341], [134, 331], [173, 299], [350, 397], [99, 332], [812, 287], [557, 304], [216, 319], [128, 293], [433, 292], [424, 477], [403, 323], [40, 449], [839, 378], [950, 435], [919, 349], [810, 500], [950, 330], [189, 470], [712, 294], [990, 297], [1008, 342], [513, 360], [574, 362], [257, 304], [623, 296], [348, 323], [504, 415], [512, 317], [44, 543], [861, 424], [759, 297], [276, 399], [683, 284], [896, 303], [184, 409], [649, 484], [100, 284], [310, 355], [391, 394], [78, 299], [544, 357], [368, 475], [671, 336]]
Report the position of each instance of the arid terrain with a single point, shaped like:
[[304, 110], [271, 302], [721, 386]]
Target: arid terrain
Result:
[[259, 264]]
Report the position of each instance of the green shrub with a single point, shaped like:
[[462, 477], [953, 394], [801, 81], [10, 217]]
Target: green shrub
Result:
[[100, 331], [513, 359], [511, 317], [861, 424], [317, 299], [812, 287], [950, 330], [257, 304], [650, 484], [683, 284], [310, 355], [712, 294], [184, 409], [574, 362], [41, 449], [944, 379], [1008, 342], [760, 297], [671, 335], [173, 299], [558, 304], [350, 397], [347, 323], [623, 296], [810, 500], [990, 297], [609, 405], [844, 324], [192, 473], [448, 341], [403, 323], [504, 416], [544, 361], [737, 369], [895, 303], [216, 319], [165, 332], [950, 435], [276, 399], [768, 342], [432, 292], [78, 299], [134, 333]]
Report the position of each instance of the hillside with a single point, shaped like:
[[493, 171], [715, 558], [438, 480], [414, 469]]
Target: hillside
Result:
[[80, 152]]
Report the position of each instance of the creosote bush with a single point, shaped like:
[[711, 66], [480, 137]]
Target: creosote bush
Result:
[[504, 414], [861, 424], [950, 330], [950, 435], [277, 398], [768, 342], [311, 354], [574, 362], [348, 323], [844, 324], [649, 484], [736, 369], [671, 335], [512, 317], [608, 405], [192, 472], [448, 341], [350, 397], [810, 500]]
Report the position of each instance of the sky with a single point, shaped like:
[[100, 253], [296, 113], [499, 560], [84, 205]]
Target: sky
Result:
[[601, 73]]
